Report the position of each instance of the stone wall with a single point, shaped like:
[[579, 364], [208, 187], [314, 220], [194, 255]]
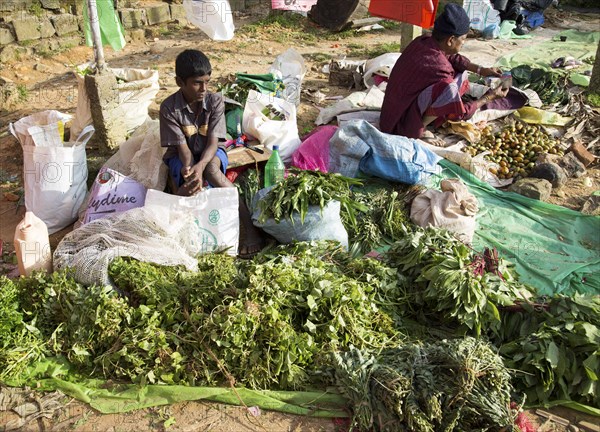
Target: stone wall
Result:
[[50, 25]]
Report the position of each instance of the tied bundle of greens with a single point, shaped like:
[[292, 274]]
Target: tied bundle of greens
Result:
[[449, 285], [443, 385], [302, 189], [385, 218]]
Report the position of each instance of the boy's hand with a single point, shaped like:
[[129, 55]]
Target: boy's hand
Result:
[[193, 178]]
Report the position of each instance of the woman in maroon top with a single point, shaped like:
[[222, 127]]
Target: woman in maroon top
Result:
[[428, 80]]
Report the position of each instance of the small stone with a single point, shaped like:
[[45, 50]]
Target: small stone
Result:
[[535, 188], [547, 158], [551, 172], [560, 193], [42, 67], [584, 156], [588, 182], [592, 206], [572, 166], [12, 197]]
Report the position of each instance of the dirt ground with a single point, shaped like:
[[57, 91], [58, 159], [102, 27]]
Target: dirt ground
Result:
[[49, 83]]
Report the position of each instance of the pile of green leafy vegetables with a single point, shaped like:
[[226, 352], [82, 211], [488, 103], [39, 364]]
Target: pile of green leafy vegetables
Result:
[[296, 316], [551, 87]]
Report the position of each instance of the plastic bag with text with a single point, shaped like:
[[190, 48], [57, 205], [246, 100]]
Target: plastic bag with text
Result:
[[272, 121], [54, 172], [215, 212], [213, 17], [113, 193]]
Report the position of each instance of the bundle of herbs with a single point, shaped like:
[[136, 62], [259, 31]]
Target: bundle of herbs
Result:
[[304, 188], [450, 284], [553, 348], [385, 218], [442, 385]]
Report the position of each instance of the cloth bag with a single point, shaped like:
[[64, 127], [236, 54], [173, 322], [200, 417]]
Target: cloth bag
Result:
[[215, 211], [54, 172], [269, 131], [453, 208]]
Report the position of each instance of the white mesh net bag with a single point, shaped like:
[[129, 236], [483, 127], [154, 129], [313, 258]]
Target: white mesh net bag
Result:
[[136, 233]]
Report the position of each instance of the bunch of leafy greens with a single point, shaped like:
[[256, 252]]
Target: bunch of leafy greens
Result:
[[554, 348], [304, 188], [445, 287], [441, 385], [551, 87], [264, 323], [20, 342], [384, 219]]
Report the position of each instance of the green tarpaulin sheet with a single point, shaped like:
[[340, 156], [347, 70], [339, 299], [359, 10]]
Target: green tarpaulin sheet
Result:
[[54, 374], [580, 45], [554, 249]]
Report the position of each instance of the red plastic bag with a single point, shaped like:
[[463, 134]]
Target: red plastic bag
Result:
[[417, 12]]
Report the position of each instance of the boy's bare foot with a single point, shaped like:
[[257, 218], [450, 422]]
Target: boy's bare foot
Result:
[[251, 242]]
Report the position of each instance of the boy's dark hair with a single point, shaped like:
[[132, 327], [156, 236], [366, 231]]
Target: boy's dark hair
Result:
[[192, 63]]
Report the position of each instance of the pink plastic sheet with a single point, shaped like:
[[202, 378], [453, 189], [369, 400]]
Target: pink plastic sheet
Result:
[[313, 153]]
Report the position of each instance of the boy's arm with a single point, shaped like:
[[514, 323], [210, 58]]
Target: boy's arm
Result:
[[216, 131], [171, 135]]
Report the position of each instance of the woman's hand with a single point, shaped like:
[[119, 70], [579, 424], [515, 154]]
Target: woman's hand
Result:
[[490, 72], [497, 93]]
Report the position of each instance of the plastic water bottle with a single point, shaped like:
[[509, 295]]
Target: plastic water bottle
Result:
[[274, 169]]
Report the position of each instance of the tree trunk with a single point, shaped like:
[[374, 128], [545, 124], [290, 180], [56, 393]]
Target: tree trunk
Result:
[[595, 80]]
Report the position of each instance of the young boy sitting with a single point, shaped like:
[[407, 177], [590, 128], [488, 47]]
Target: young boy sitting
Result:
[[192, 127]]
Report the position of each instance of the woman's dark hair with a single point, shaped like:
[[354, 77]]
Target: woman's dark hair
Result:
[[192, 63]]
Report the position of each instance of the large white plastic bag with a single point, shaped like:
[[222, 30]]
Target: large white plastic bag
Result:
[[318, 225], [44, 121], [215, 211], [289, 67], [269, 132], [482, 15], [136, 91], [55, 176], [213, 17], [381, 65]]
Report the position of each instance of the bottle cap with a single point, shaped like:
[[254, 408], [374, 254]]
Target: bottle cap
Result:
[[275, 147]]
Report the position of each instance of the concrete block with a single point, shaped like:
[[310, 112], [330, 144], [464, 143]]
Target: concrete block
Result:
[[178, 13], [65, 24], [46, 28], [13, 53], [408, 33], [14, 5], [50, 4], [6, 36], [70, 41], [103, 92], [133, 18], [135, 35], [158, 14], [27, 28]]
